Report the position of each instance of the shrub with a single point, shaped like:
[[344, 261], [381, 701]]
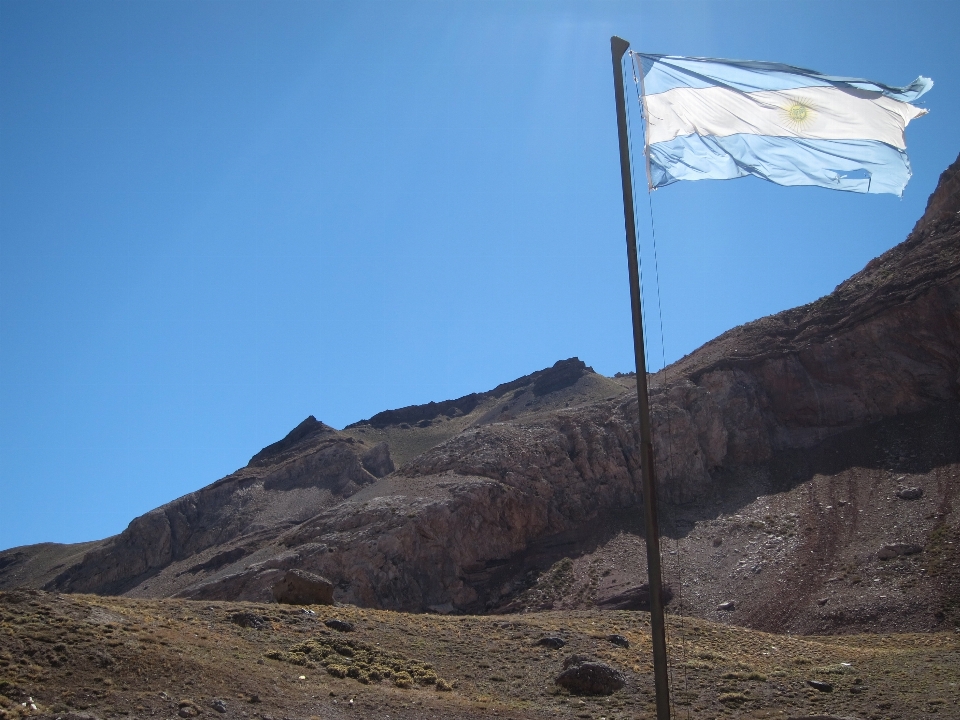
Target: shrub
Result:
[[425, 676], [379, 672], [733, 698]]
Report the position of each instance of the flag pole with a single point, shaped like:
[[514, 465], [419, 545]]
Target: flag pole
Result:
[[618, 47]]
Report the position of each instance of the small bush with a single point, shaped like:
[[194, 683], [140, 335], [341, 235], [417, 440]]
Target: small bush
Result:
[[733, 698], [380, 672], [710, 655], [359, 661], [424, 675]]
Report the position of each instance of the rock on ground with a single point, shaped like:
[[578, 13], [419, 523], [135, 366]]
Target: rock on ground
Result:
[[591, 678]]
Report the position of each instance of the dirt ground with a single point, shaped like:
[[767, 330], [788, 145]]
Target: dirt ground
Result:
[[84, 656]]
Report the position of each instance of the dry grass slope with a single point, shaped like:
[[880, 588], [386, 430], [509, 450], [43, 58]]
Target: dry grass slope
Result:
[[118, 657]]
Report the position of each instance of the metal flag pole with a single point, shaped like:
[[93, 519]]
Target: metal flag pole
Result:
[[618, 47]]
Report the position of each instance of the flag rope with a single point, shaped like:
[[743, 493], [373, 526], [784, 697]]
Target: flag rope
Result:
[[638, 84]]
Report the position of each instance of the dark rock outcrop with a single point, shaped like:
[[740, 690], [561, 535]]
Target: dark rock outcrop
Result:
[[893, 550], [618, 640], [377, 461], [302, 433], [562, 375], [635, 598], [339, 625], [298, 587], [910, 493], [591, 678], [248, 620], [219, 560]]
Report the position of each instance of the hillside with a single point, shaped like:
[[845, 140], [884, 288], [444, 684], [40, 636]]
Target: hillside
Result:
[[413, 430], [788, 451]]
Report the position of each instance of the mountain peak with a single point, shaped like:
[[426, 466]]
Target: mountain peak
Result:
[[307, 429], [945, 199], [562, 374]]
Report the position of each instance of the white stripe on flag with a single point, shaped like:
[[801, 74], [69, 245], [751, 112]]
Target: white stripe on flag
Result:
[[817, 113]]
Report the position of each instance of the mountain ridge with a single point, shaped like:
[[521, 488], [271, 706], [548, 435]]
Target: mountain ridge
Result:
[[468, 505]]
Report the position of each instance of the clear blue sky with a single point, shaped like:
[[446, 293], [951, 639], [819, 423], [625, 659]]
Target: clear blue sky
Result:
[[217, 218]]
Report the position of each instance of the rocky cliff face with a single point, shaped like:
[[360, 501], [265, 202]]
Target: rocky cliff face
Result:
[[886, 342], [494, 488], [312, 468]]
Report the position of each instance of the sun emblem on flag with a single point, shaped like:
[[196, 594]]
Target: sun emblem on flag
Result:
[[798, 114]]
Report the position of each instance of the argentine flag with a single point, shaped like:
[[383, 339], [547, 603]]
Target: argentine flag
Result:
[[721, 119]]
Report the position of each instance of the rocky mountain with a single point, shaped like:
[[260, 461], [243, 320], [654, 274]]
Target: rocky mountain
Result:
[[807, 465], [312, 468], [238, 519]]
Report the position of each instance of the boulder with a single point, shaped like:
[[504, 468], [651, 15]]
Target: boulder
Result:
[[188, 709], [339, 625], [248, 620], [892, 550], [572, 660], [618, 640], [910, 493], [591, 678], [298, 587], [554, 643]]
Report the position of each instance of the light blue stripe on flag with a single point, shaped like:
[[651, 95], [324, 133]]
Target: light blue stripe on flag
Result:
[[855, 165], [665, 72]]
